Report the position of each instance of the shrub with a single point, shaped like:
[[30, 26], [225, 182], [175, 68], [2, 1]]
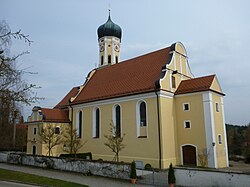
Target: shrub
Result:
[[247, 159], [133, 171], [147, 166], [78, 155], [171, 176]]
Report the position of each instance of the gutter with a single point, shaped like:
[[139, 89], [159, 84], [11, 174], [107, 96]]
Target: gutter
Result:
[[159, 128]]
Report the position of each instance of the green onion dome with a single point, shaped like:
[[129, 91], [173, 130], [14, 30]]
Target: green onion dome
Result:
[[109, 29]]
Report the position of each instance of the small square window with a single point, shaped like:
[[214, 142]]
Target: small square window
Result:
[[187, 124], [186, 107], [217, 107], [57, 130], [219, 139], [34, 130]]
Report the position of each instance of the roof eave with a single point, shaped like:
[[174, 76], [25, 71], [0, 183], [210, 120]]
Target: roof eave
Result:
[[189, 92]]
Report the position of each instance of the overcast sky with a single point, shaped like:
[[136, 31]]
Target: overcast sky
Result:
[[216, 34]]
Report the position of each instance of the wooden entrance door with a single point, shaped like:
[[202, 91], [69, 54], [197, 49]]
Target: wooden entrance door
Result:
[[33, 149], [189, 155]]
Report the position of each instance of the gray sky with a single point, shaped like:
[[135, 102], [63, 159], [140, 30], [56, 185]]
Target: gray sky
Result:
[[216, 34]]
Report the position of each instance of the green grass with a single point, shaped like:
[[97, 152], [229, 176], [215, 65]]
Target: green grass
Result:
[[35, 179]]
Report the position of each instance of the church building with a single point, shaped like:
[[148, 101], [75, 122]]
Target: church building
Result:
[[165, 114]]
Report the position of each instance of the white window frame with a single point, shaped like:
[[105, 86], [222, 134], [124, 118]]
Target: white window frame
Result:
[[187, 121], [219, 139], [94, 123], [138, 118], [184, 107], [59, 129], [114, 118], [78, 123]]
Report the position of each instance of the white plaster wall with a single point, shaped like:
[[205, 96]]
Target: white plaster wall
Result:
[[186, 177]]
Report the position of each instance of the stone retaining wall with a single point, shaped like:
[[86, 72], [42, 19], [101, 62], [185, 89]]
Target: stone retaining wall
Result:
[[184, 176], [100, 168], [203, 177], [3, 157], [195, 177]]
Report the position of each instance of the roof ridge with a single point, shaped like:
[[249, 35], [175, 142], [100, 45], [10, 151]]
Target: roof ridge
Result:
[[146, 54], [195, 84], [131, 59], [51, 108], [132, 76]]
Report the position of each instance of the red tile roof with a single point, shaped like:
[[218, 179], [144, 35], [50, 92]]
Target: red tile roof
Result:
[[22, 126], [137, 75], [195, 85], [55, 115]]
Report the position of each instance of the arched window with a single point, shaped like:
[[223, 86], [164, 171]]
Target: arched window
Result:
[[109, 59], [101, 60], [96, 125], [117, 120], [141, 119], [173, 81], [33, 149], [79, 124], [116, 59], [143, 115]]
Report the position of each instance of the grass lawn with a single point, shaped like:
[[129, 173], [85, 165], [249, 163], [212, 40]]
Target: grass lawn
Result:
[[35, 179]]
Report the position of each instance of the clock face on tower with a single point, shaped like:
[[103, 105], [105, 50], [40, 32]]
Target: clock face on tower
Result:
[[117, 47]]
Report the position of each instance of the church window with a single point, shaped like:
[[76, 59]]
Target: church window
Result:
[[116, 59], [57, 130], [117, 120], [217, 107], [34, 131], [187, 124], [141, 119], [96, 123], [186, 107], [109, 59], [219, 139], [79, 124], [101, 60], [173, 82], [143, 116], [33, 149]]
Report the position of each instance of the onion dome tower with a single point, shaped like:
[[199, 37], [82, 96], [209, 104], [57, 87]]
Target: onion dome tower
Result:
[[109, 38]]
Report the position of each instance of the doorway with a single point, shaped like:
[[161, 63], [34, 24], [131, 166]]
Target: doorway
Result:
[[189, 155]]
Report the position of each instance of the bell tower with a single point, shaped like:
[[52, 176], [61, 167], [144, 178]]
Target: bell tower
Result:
[[109, 39]]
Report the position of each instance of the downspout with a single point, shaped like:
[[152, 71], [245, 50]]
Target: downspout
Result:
[[159, 127], [71, 129]]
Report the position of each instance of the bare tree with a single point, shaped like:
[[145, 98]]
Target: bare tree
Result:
[[14, 90], [72, 142], [114, 141], [202, 157], [51, 137], [247, 144]]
